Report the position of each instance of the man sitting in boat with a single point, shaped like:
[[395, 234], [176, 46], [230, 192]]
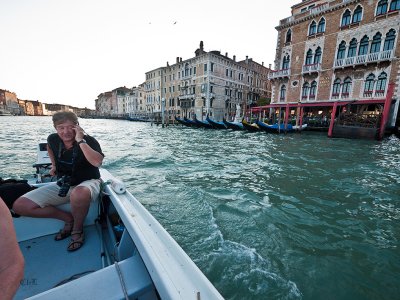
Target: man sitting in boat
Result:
[[75, 159]]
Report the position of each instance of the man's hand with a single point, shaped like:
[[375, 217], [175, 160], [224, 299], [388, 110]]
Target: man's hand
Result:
[[79, 133], [53, 171]]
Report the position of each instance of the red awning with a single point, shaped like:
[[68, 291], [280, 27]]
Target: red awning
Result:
[[318, 104]]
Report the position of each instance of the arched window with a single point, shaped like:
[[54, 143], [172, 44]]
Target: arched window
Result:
[[336, 87], [381, 9], [309, 57], [313, 89], [317, 56], [321, 26], [282, 94], [389, 40], [346, 87], [286, 62], [341, 50], [363, 46], [346, 18], [369, 83], [381, 83], [357, 15], [394, 5], [304, 92], [313, 28], [352, 48], [376, 43], [289, 36]]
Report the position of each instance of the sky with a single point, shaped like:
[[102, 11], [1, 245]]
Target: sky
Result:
[[70, 51]]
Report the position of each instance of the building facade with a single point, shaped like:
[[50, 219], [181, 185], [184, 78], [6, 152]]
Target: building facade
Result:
[[207, 84], [338, 51], [9, 103]]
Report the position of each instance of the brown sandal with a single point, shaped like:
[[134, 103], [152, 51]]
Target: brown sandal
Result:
[[64, 233], [75, 244]]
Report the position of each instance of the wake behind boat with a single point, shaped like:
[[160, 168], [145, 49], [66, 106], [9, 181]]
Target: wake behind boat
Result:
[[127, 254]]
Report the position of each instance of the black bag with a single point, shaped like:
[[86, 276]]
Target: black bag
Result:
[[12, 189]]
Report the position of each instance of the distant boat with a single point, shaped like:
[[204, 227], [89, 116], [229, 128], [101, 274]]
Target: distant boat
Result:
[[275, 128], [5, 113], [215, 124], [183, 122], [190, 122], [233, 125], [203, 124], [250, 127], [300, 128]]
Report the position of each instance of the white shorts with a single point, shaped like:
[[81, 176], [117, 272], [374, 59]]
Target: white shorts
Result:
[[48, 194]]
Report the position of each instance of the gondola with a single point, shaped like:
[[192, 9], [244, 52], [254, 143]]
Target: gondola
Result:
[[215, 124], [183, 122], [275, 128], [190, 123], [250, 127], [203, 124], [233, 125]]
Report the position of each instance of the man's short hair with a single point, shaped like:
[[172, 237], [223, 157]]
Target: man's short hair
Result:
[[62, 116]]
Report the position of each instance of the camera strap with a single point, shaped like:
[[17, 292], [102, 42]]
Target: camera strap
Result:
[[74, 156]]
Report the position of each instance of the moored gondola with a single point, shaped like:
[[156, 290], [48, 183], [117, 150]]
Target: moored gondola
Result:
[[183, 122], [203, 124], [250, 127], [215, 124], [233, 125]]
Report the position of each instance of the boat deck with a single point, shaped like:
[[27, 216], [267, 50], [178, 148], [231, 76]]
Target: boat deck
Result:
[[49, 264]]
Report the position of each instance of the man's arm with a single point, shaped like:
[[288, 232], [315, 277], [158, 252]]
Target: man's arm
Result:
[[53, 161], [11, 259]]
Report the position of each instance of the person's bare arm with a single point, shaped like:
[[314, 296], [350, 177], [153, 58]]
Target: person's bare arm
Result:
[[11, 259], [92, 156], [53, 169]]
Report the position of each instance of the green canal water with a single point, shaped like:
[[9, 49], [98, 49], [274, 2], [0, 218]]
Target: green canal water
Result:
[[296, 216]]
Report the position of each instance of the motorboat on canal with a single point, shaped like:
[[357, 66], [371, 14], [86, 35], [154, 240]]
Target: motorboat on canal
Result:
[[127, 254]]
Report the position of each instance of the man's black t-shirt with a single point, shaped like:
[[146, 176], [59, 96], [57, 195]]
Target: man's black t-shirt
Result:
[[72, 161]]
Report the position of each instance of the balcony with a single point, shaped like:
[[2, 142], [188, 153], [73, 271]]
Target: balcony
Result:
[[279, 74], [187, 96], [312, 68], [363, 59]]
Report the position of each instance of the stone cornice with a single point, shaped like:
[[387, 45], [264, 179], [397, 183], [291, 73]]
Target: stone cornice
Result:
[[312, 16]]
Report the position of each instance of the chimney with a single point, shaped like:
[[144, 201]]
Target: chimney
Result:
[[262, 64], [247, 59], [234, 58], [177, 60], [226, 54], [269, 66], [167, 64]]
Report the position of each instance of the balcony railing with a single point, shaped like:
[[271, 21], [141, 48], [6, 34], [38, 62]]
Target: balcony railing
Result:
[[312, 68], [279, 74], [187, 96], [364, 59]]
